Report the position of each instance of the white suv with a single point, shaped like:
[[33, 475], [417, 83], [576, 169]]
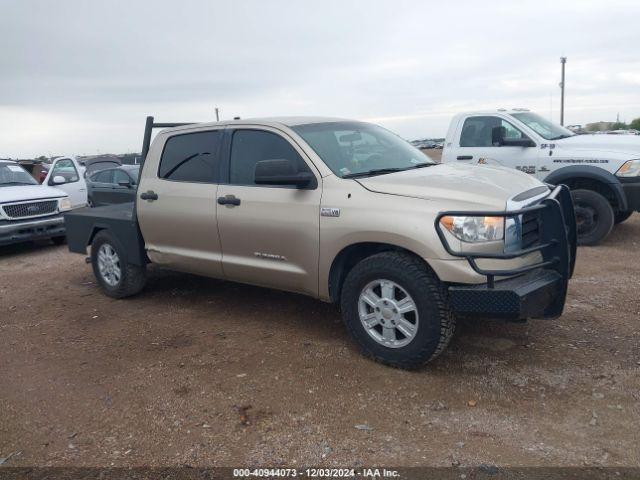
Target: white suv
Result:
[[28, 210]]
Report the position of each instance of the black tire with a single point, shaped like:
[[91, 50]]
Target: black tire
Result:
[[90, 202], [436, 320], [594, 216], [622, 216], [132, 277], [59, 240]]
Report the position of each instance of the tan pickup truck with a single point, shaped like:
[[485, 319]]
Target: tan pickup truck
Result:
[[344, 211]]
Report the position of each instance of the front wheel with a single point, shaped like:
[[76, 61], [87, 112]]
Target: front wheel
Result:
[[594, 216], [396, 309], [117, 277]]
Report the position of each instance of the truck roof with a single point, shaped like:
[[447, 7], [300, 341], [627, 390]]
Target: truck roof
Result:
[[288, 121], [496, 110]]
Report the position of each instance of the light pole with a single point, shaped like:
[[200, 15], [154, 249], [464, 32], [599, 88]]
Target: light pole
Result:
[[563, 61]]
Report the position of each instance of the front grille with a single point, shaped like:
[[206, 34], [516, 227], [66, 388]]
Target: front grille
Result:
[[30, 209], [530, 229]]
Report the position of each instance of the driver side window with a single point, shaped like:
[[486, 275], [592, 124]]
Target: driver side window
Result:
[[483, 132], [249, 147], [65, 168]]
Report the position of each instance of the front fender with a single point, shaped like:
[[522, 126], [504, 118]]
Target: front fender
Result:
[[562, 175]]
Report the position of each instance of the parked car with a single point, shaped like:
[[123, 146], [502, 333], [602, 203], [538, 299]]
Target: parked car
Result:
[[28, 210], [602, 171], [67, 175], [401, 243], [113, 185], [96, 164]]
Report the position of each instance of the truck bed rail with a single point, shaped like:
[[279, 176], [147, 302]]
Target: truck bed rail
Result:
[[148, 128]]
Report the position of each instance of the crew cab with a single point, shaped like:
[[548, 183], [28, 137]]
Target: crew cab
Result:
[[343, 211], [28, 210], [602, 171]]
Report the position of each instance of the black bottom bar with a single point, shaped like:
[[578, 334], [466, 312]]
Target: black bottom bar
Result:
[[519, 298]]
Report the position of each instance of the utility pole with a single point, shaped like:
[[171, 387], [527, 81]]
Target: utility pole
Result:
[[563, 61], [217, 115]]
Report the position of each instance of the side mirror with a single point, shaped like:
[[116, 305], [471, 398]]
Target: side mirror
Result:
[[498, 139], [281, 172], [125, 183], [518, 142], [58, 180]]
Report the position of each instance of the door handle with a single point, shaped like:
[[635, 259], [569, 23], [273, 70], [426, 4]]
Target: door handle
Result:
[[149, 195], [464, 157], [229, 200]]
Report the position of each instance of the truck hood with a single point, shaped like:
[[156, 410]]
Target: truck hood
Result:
[[19, 193], [484, 186], [628, 144]]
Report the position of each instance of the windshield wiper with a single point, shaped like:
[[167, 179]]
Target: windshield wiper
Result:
[[382, 171], [375, 171], [422, 165]]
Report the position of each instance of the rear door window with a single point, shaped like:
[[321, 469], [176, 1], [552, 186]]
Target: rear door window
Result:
[[191, 157]]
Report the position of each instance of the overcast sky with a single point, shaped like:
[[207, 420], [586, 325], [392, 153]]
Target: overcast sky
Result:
[[79, 77]]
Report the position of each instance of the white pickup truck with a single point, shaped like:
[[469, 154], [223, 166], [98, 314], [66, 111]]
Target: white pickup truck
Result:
[[67, 175], [602, 171]]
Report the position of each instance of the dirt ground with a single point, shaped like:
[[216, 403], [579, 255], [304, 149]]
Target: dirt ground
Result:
[[207, 373]]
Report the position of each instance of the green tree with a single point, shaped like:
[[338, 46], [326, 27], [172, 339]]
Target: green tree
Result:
[[635, 124]]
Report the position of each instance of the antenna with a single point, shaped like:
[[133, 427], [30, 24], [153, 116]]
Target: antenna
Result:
[[563, 61]]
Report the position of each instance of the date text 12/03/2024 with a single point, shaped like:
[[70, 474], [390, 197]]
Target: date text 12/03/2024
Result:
[[316, 472]]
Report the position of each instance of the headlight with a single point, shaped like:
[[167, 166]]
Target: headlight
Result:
[[64, 204], [474, 229], [629, 169]]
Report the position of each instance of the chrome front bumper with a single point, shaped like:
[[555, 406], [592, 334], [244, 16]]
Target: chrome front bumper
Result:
[[14, 231]]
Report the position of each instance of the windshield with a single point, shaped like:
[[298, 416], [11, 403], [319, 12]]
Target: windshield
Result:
[[14, 174], [356, 148], [542, 126]]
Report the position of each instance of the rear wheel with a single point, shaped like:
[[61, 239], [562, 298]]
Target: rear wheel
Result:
[[594, 216], [397, 310], [622, 216], [116, 276]]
